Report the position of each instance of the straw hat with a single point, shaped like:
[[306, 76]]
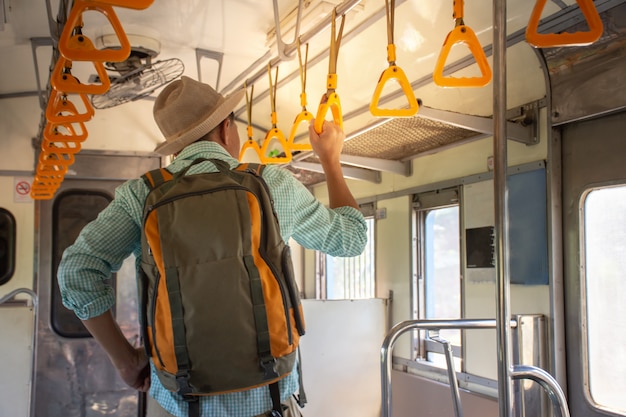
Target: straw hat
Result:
[[187, 109]]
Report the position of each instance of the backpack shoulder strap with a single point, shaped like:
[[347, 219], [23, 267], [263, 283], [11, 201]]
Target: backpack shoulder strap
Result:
[[156, 177], [256, 169]]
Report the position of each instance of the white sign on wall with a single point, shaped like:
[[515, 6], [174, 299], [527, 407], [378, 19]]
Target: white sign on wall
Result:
[[21, 189]]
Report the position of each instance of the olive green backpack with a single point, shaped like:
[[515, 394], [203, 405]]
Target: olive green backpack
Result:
[[220, 308]]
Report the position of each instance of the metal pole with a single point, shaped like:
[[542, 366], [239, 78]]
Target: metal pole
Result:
[[503, 313]]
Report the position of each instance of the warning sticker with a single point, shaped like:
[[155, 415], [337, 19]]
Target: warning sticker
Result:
[[21, 189]]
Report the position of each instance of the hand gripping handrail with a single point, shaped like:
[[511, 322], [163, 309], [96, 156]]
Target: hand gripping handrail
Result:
[[304, 115], [129, 4], [250, 143], [519, 371], [462, 34], [60, 109], [552, 40], [330, 100], [274, 132], [63, 81], [75, 46], [393, 72]]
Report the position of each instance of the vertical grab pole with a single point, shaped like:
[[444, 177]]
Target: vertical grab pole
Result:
[[503, 313]]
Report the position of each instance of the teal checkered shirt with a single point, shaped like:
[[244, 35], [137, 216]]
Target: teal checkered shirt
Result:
[[116, 234]]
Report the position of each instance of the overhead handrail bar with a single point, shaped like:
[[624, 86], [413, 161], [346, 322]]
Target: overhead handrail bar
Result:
[[250, 143], [10, 296], [518, 372], [274, 132], [342, 8], [280, 45], [74, 45], [552, 40], [62, 79], [461, 34], [330, 100], [304, 115], [452, 380], [393, 72]]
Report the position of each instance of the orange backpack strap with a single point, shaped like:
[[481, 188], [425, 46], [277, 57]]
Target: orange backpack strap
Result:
[[156, 177]]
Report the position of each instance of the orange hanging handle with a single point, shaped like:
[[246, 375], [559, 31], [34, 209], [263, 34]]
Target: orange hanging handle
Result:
[[274, 133], [393, 72], [129, 4], [75, 46], [60, 109], [462, 34], [330, 100], [552, 40], [62, 79], [304, 115], [250, 143]]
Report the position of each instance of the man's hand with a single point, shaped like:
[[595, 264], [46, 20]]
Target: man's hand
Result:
[[136, 372], [328, 144]]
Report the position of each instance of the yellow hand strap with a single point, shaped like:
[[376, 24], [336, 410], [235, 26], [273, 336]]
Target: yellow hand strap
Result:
[[552, 40], [330, 100], [393, 72], [304, 115], [462, 34], [250, 143], [274, 133]]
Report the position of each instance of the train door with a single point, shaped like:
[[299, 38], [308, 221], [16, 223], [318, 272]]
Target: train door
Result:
[[594, 214], [74, 377]]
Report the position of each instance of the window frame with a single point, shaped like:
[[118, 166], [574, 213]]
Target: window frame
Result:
[[422, 204], [321, 264]]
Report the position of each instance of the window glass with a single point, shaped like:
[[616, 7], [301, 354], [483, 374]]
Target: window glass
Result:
[[442, 275], [605, 285], [72, 211], [350, 278], [7, 245]]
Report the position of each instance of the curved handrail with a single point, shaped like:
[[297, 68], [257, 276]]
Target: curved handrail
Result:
[[15, 292], [75, 46], [462, 34], [547, 382], [551, 40], [393, 72], [519, 371]]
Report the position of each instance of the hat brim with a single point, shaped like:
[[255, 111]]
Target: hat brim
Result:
[[173, 145]]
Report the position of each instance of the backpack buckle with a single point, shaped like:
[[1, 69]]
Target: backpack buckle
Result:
[[269, 368], [184, 389]]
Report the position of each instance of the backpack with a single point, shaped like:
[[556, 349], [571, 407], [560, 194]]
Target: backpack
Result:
[[220, 309]]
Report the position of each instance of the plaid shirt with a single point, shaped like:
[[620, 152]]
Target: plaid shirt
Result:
[[116, 234]]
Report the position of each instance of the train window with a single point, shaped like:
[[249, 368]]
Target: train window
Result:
[[348, 278], [604, 244], [438, 262], [72, 211], [7, 246]]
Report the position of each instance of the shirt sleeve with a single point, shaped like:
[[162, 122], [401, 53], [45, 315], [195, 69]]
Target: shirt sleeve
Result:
[[340, 231], [99, 250]]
